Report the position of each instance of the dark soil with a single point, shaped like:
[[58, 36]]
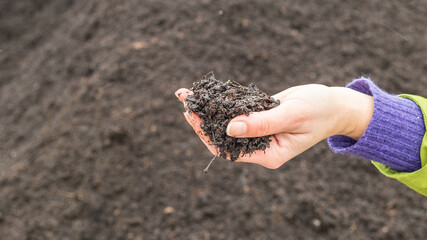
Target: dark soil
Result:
[[216, 103], [93, 144]]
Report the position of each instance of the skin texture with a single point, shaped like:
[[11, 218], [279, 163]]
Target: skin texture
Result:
[[307, 114]]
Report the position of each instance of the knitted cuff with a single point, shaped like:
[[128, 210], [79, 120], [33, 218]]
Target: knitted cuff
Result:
[[394, 134]]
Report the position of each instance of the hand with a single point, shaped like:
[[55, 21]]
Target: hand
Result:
[[306, 115]]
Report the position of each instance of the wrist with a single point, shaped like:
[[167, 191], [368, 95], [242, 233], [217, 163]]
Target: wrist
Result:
[[354, 112]]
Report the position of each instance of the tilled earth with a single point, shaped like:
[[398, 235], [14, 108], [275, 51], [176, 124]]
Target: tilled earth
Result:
[[93, 144]]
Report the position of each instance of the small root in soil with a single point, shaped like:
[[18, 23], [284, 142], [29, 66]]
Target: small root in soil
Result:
[[207, 168]]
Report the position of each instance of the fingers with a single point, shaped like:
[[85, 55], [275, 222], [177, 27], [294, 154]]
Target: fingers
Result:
[[267, 122], [279, 119], [183, 93], [195, 121], [257, 124], [273, 158]]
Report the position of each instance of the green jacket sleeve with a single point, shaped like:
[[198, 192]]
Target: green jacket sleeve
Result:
[[416, 180]]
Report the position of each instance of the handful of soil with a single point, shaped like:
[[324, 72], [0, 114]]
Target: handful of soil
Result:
[[217, 102]]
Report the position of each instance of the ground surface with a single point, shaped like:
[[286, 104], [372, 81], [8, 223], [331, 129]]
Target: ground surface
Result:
[[93, 144]]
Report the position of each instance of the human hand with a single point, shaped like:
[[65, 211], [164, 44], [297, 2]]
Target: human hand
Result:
[[306, 115]]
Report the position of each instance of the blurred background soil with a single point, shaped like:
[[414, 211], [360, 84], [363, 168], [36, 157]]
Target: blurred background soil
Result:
[[93, 143]]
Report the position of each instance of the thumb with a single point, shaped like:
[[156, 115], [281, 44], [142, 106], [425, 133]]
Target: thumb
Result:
[[259, 124]]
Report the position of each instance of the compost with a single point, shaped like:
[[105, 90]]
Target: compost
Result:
[[218, 102]]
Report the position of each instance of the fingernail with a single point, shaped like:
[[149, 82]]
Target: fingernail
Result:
[[236, 129]]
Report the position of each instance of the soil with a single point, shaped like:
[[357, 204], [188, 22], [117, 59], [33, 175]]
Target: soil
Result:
[[93, 144], [216, 103]]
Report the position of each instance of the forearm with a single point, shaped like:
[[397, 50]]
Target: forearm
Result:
[[393, 135], [355, 110]]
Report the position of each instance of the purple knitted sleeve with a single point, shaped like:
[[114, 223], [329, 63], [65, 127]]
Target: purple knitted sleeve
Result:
[[394, 134]]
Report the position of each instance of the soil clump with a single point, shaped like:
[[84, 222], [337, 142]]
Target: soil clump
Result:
[[218, 102]]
